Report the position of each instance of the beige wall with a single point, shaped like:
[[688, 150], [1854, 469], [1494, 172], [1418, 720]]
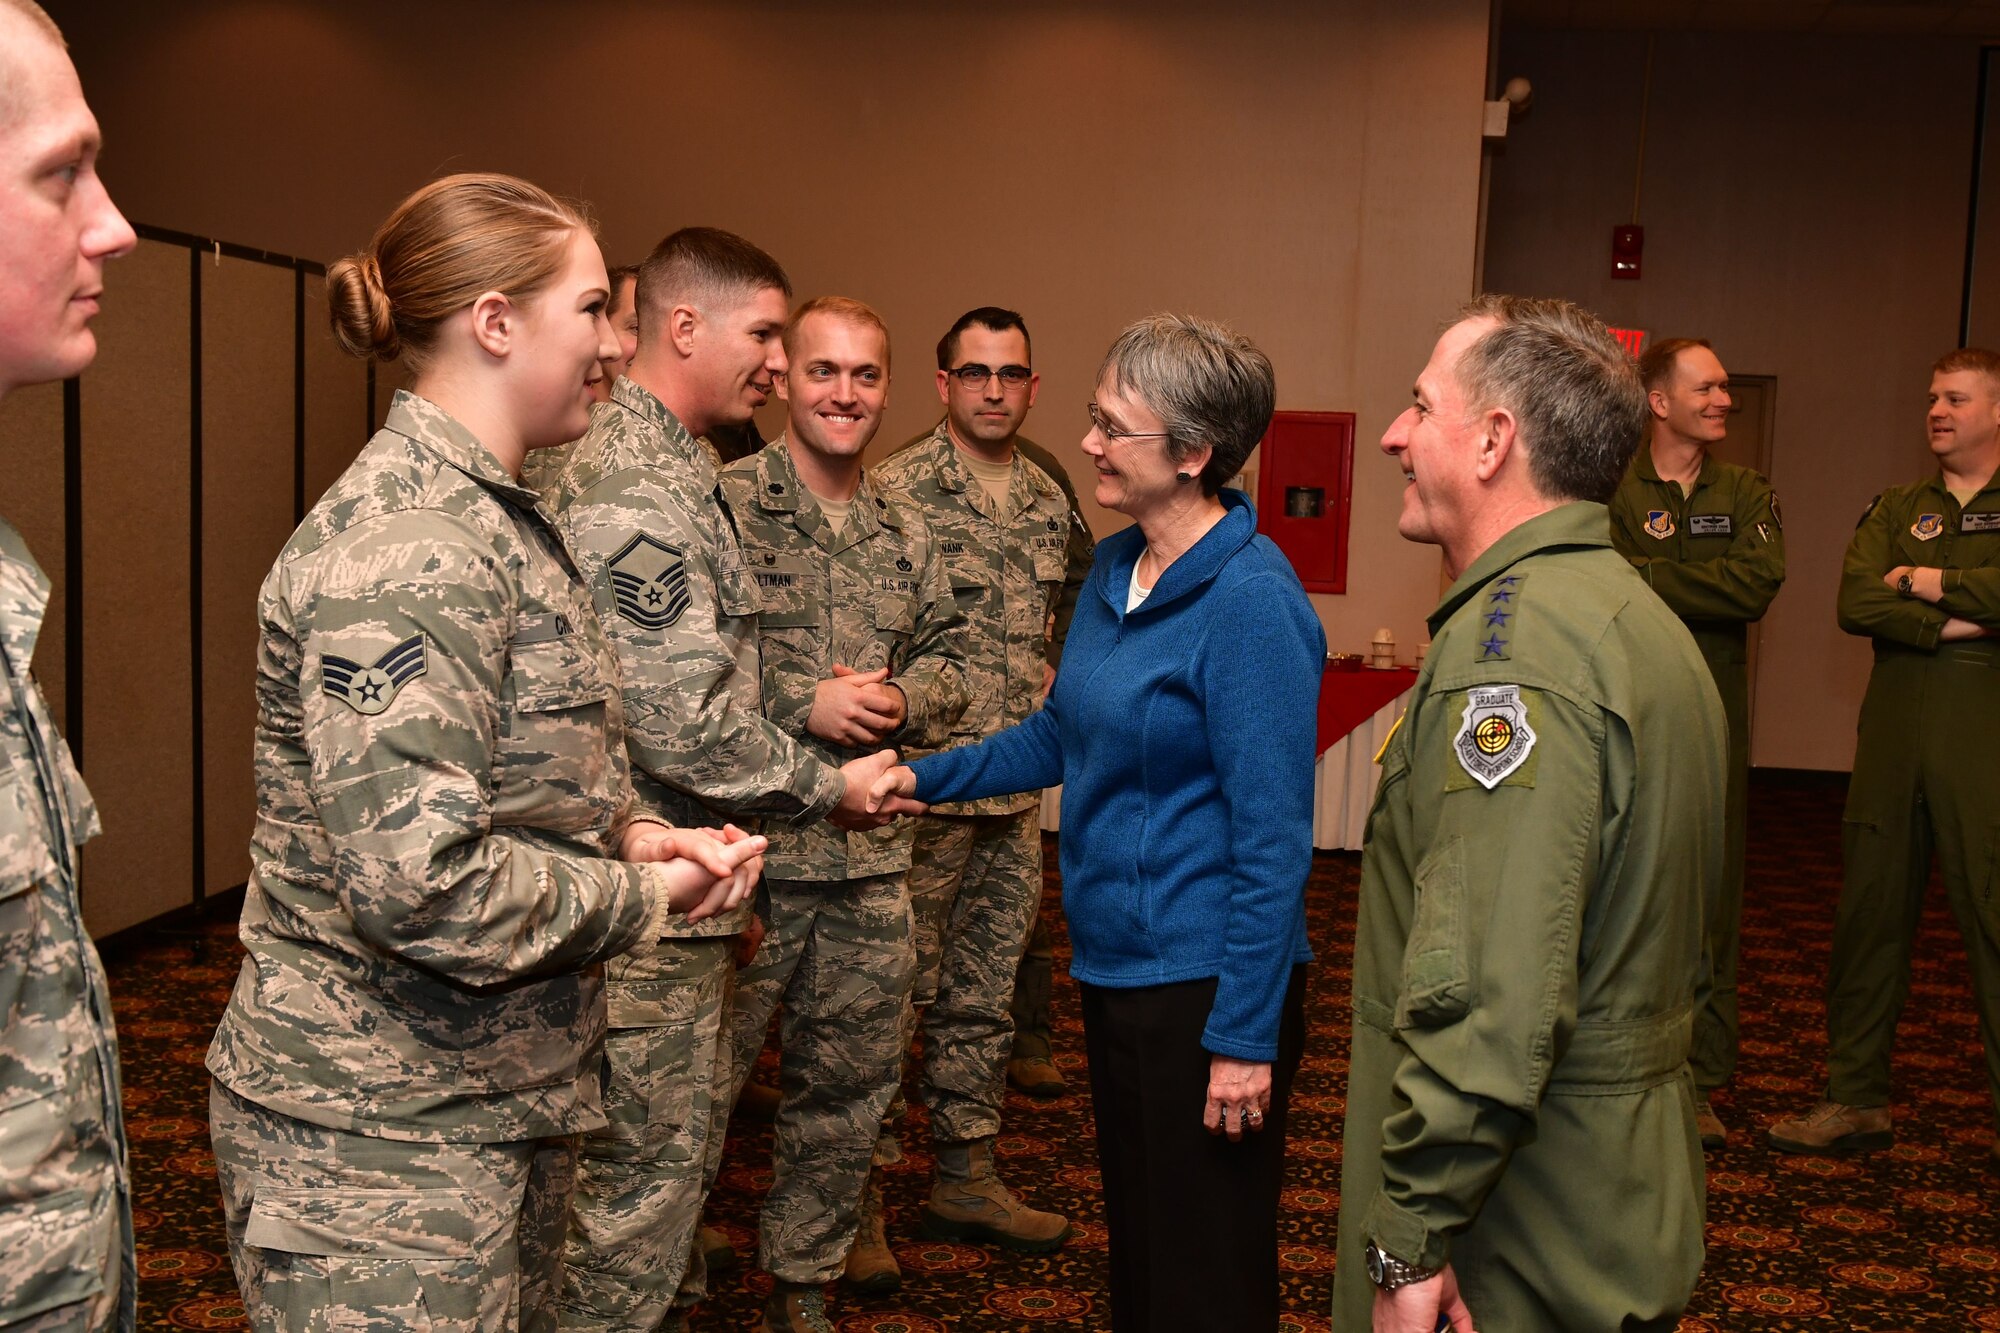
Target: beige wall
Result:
[[1805, 207], [1307, 171]]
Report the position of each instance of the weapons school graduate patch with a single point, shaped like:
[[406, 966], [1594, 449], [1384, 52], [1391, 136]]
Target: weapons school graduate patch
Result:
[[1927, 526], [1659, 524], [369, 690], [649, 582], [1494, 739]]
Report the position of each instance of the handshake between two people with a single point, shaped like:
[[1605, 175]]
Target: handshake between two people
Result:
[[857, 709]]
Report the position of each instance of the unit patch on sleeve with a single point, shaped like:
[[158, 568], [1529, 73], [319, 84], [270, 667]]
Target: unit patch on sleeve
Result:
[[369, 690], [1494, 738], [1927, 526], [649, 582], [1711, 525], [1979, 522], [1659, 524]]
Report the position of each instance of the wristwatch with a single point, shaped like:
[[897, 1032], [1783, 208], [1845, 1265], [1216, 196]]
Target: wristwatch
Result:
[[1905, 582], [1388, 1272]]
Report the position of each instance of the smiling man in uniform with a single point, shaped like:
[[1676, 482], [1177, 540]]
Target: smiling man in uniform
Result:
[[1706, 536]]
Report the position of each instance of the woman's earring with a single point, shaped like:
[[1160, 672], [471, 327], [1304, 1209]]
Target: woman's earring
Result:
[[1183, 477]]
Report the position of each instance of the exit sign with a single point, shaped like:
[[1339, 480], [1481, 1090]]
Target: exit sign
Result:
[[1629, 339]]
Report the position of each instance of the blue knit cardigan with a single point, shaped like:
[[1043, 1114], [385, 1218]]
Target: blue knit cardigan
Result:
[[1183, 736]]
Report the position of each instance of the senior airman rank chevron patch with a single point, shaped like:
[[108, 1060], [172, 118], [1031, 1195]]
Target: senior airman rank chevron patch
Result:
[[1494, 738], [369, 690], [649, 582]]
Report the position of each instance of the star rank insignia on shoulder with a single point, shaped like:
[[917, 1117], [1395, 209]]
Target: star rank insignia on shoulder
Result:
[[369, 690], [649, 582], [1494, 737], [1497, 619]]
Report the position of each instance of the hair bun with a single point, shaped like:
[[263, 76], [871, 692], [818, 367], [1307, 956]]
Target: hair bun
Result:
[[364, 322]]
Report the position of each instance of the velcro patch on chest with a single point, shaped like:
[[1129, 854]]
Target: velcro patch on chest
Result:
[[1711, 525], [1659, 524], [1494, 737], [370, 689], [1927, 526], [1979, 522], [649, 582]]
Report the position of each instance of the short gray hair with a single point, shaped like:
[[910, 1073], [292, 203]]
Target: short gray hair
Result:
[[1207, 383], [1573, 389]]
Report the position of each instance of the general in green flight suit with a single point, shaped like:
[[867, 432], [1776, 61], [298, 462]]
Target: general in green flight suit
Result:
[[1707, 538], [1922, 579], [1520, 1149]]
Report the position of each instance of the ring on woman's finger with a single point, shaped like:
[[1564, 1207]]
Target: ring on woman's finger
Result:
[[1255, 1118]]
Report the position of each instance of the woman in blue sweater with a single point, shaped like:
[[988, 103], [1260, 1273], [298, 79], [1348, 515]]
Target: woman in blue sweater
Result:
[[1181, 727]]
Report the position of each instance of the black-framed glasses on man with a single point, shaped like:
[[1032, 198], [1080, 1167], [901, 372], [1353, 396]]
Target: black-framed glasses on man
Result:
[[1111, 432], [975, 376]]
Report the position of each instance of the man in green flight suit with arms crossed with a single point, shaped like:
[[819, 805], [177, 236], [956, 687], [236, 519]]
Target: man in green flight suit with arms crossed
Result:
[[1705, 535], [1520, 1147], [1922, 579]]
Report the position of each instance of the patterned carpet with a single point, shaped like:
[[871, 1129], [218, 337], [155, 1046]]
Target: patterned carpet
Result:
[[1903, 1240]]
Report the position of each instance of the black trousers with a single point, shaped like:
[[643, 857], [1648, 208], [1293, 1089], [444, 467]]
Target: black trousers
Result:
[[1193, 1217]]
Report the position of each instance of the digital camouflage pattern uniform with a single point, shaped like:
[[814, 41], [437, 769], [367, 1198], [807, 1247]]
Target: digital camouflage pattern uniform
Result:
[[1716, 557], [1034, 979], [976, 866], [838, 954], [413, 1040], [1923, 776], [65, 1198], [1529, 949], [640, 509]]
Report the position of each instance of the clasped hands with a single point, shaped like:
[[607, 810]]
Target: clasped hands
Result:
[[708, 871], [857, 708]]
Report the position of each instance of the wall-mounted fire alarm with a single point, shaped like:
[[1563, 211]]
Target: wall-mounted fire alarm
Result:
[[1628, 240]]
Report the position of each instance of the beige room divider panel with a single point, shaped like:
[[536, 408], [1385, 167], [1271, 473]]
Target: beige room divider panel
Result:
[[337, 413], [31, 459], [156, 490], [251, 398], [136, 729]]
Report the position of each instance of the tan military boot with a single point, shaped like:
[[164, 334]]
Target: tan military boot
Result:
[[1831, 1128], [716, 1251], [794, 1307], [968, 1202], [1709, 1124], [871, 1267], [1036, 1077]]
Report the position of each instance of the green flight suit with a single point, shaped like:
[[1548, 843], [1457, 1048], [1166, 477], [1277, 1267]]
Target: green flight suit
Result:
[[1923, 776], [1529, 951], [1716, 557]]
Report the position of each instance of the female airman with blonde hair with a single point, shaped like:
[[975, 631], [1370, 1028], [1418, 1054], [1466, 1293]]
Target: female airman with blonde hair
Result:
[[444, 852]]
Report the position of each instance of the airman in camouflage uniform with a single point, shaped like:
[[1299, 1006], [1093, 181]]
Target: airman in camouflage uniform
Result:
[[870, 594], [976, 866], [1031, 1065], [66, 1261], [640, 509], [411, 1045]]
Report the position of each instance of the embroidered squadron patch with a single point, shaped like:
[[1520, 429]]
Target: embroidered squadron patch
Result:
[[1927, 526], [1495, 738], [649, 582], [1659, 524], [369, 690]]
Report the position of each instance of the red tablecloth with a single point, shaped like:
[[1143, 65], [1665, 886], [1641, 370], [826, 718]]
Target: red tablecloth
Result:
[[1349, 698]]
